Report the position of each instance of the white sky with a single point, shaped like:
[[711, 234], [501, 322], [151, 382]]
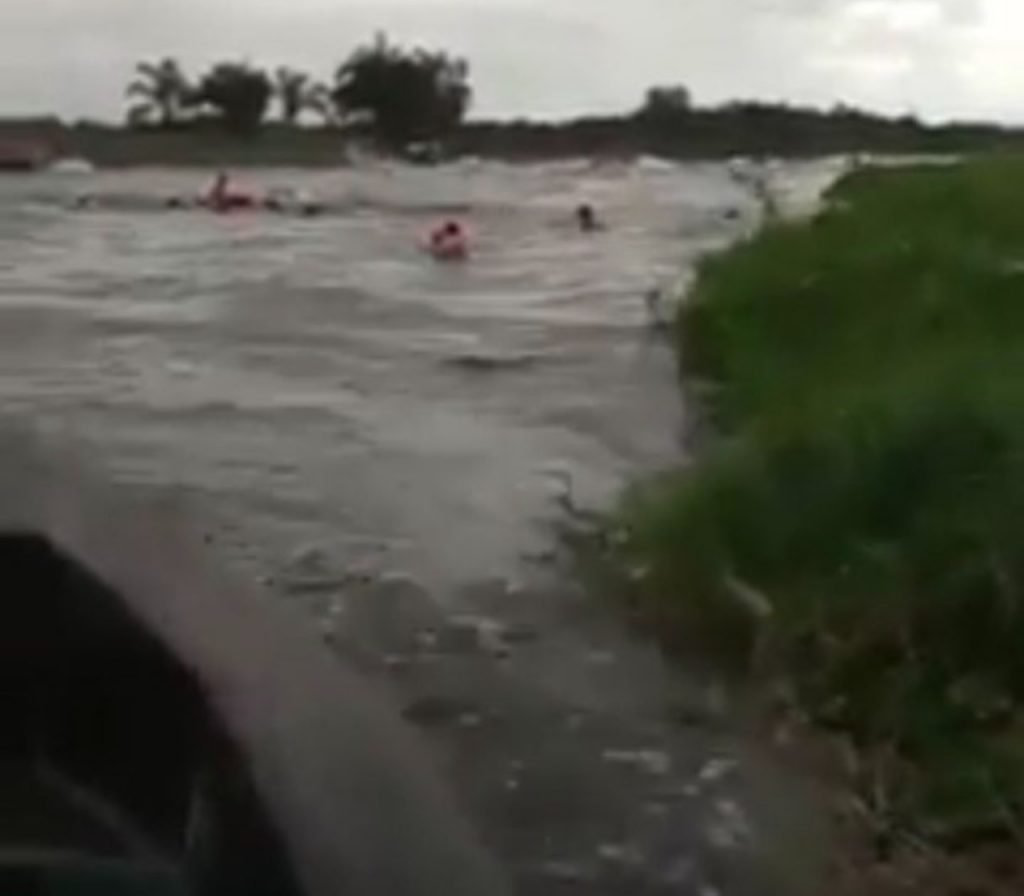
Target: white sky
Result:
[[937, 58]]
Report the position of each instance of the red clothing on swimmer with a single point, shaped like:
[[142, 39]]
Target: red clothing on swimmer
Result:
[[449, 242]]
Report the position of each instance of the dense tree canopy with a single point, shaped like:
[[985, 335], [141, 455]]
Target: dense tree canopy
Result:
[[239, 93], [666, 102], [409, 95]]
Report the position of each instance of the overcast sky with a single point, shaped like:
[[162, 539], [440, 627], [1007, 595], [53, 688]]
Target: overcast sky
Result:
[[937, 58]]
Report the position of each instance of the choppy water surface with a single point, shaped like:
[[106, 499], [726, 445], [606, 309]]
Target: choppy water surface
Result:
[[320, 382], [324, 400]]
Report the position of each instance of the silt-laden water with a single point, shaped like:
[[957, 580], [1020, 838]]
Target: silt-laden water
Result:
[[323, 398]]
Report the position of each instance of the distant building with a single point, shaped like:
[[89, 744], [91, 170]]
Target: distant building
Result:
[[27, 144]]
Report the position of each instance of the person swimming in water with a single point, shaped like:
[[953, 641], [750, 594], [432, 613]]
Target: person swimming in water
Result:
[[447, 231], [587, 219], [222, 198], [217, 195], [448, 241]]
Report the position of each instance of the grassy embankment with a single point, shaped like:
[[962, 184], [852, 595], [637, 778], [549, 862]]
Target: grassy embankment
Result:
[[111, 147], [855, 527]]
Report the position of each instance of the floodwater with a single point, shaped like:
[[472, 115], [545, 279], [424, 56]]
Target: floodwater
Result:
[[378, 438], [319, 382]]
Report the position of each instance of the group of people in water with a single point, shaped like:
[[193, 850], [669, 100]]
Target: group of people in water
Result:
[[447, 241], [222, 197]]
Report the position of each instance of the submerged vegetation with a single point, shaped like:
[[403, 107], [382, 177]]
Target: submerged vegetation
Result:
[[853, 528]]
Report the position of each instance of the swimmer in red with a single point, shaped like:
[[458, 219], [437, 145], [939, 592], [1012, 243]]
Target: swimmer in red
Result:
[[450, 230], [221, 198], [449, 241]]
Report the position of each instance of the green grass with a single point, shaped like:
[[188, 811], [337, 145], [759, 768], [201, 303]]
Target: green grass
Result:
[[867, 480], [209, 147]]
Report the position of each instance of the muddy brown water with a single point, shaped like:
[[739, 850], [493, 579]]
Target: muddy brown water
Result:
[[378, 438]]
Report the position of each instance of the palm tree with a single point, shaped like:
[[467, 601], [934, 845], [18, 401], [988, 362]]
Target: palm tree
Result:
[[297, 93], [291, 89], [320, 101], [162, 90]]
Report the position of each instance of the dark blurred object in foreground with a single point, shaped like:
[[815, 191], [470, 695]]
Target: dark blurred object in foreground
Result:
[[167, 732]]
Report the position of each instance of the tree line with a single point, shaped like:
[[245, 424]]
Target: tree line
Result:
[[400, 94]]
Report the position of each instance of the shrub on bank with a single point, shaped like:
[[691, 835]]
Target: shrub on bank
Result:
[[858, 519]]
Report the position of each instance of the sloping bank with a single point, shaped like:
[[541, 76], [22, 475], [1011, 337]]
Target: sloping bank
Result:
[[855, 526]]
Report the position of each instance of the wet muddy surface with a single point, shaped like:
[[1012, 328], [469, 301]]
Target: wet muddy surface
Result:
[[378, 439]]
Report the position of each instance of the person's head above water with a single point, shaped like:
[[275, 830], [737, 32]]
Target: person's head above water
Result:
[[448, 240], [219, 187], [447, 230], [586, 217]]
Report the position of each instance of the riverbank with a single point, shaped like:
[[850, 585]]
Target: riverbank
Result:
[[740, 129], [851, 531], [108, 147]]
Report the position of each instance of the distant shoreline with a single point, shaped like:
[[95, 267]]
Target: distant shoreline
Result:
[[714, 134]]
